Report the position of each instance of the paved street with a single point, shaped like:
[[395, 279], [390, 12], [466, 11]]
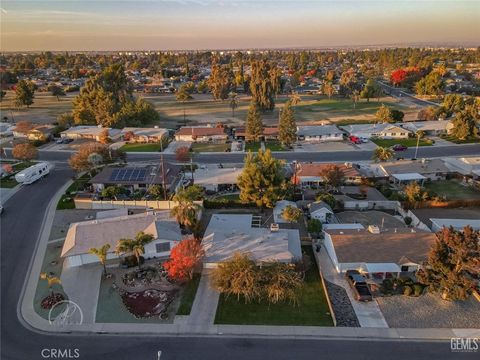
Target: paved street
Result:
[[20, 226]]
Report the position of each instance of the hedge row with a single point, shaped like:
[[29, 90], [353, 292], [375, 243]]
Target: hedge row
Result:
[[225, 203]]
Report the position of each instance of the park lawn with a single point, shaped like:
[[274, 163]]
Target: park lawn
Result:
[[208, 147], [141, 147], [470, 140], [452, 190], [312, 310], [188, 295], [410, 142]]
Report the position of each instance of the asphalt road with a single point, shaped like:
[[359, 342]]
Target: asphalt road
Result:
[[354, 155], [20, 225], [402, 94]]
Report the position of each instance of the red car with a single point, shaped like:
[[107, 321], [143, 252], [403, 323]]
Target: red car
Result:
[[355, 139], [399, 147]]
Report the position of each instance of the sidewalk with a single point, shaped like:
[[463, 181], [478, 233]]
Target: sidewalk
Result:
[[205, 304], [368, 313]]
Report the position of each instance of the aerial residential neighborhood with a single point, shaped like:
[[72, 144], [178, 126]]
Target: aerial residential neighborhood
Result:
[[232, 180]]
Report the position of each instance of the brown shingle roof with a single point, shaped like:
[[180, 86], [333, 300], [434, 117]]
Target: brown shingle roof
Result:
[[352, 246], [312, 169]]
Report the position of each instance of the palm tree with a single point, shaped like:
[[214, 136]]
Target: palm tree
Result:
[[295, 99], [233, 103], [382, 154], [51, 280], [134, 246], [101, 253], [185, 212]]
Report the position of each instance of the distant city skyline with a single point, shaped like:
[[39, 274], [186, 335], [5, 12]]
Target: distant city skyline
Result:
[[71, 25]]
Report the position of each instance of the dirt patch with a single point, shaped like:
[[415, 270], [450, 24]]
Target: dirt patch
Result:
[[148, 303]]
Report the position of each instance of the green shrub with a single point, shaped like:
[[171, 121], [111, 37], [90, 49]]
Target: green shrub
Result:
[[225, 203], [407, 290], [417, 289], [408, 220]]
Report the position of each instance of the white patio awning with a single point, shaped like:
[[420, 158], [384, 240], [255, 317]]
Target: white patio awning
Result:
[[408, 176], [382, 267]]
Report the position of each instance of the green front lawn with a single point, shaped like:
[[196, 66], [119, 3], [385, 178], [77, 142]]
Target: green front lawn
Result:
[[66, 201], [410, 142], [208, 147], [142, 147], [453, 139], [254, 146], [452, 190], [188, 296], [312, 310], [8, 182]]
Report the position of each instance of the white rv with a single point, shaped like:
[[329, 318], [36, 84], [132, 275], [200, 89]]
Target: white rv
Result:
[[33, 173]]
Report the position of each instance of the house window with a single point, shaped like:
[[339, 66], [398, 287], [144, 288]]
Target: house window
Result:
[[394, 134], [162, 247]]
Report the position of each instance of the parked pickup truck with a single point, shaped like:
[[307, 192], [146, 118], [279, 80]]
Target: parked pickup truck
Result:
[[359, 286]]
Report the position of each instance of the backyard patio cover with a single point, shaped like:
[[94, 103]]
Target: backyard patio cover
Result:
[[408, 176], [382, 267]]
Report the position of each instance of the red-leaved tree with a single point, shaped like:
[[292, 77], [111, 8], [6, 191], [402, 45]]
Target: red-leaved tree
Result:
[[182, 154], [184, 257]]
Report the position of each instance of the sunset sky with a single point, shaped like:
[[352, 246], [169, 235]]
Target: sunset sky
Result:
[[204, 24]]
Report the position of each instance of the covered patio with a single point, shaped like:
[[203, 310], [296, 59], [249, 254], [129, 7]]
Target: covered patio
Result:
[[406, 178]]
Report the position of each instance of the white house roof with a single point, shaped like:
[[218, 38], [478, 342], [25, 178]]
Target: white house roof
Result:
[[317, 130], [372, 128], [82, 236], [408, 176], [214, 175], [278, 209], [149, 132], [89, 130], [349, 226], [438, 125], [227, 234], [382, 267]]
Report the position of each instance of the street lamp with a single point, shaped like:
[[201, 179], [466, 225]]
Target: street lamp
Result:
[[418, 142]]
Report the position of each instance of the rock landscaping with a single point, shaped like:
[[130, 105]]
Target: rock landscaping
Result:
[[344, 312]]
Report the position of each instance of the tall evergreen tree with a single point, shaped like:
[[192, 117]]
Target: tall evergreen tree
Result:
[[287, 127], [262, 180], [254, 125], [263, 84], [24, 93]]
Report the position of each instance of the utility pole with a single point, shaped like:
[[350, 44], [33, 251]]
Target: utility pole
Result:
[[418, 142], [163, 179]]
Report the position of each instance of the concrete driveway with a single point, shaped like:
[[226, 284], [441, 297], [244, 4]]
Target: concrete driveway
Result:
[[174, 145], [368, 313]]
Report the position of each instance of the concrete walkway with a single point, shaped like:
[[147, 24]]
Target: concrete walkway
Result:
[[205, 304], [368, 313]]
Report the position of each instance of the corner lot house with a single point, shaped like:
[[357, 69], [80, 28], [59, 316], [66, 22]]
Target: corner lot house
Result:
[[308, 174], [319, 133], [137, 177], [227, 234], [144, 135], [217, 178], [201, 134], [376, 253], [383, 131], [415, 170], [89, 132], [84, 235]]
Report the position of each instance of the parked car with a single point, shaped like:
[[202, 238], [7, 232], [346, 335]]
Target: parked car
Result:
[[359, 285], [399, 147], [355, 139]]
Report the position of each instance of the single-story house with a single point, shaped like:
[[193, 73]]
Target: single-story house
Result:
[[415, 170], [320, 210], [308, 174], [343, 226], [378, 254], [89, 132], [82, 236], [465, 165], [201, 134], [382, 131], [319, 133], [41, 133], [144, 135], [138, 177], [6, 129], [278, 209], [216, 177], [227, 234], [433, 128], [457, 224], [269, 133]]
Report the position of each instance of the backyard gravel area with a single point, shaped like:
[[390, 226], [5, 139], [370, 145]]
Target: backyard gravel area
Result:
[[370, 218], [429, 311]]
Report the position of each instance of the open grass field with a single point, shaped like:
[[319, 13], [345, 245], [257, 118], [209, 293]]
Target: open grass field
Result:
[[453, 190], [203, 109], [406, 142], [312, 311]]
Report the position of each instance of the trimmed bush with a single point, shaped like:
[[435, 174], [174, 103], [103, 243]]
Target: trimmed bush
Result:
[[225, 203], [407, 290], [417, 289], [408, 220]]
